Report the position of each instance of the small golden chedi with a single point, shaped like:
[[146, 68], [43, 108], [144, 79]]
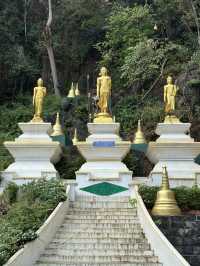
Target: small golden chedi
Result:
[[57, 128], [139, 135], [165, 204], [38, 97]]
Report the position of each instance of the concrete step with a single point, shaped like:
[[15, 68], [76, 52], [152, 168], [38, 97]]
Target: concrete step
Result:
[[100, 216], [106, 205], [102, 221], [119, 226], [90, 230], [97, 235], [44, 263], [68, 245], [102, 211], [96, 259], [111, 241], [96, 252]]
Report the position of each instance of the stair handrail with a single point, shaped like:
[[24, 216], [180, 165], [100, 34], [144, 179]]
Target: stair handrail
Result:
[[163, 249]]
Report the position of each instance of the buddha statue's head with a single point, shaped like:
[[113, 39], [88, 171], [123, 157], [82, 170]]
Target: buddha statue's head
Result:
[[169, 80], [40, 82], [103, 71]]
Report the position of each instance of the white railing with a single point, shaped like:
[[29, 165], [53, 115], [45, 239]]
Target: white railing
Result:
[[31, 252], [163, 249]]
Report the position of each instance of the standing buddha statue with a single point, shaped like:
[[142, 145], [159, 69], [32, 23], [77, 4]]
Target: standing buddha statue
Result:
[[38, 97], [170, 92], [104, 94]]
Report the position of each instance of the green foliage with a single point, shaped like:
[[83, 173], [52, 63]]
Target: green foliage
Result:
[[126, 27], [133, 202], [10, 193], [148, 195], [187, 198], [70, 162], [52, 105], [33, 205], [131, 108], [144, 61]]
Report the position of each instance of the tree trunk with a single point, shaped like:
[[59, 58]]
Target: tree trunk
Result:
[[50, 52], [196, 19]]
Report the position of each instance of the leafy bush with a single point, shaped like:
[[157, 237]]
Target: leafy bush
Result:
[[10, 193], [187, 198], [30, 209], [148, 195]]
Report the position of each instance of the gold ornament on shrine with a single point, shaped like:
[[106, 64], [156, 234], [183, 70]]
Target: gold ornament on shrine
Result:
[[77, 92], [75, 138], [71, 93], [38, 98], [57, 128], [165, 204], [139, 135]]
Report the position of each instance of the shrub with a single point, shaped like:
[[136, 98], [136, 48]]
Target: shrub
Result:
[[26, 213], [10, 193], [148, 195]]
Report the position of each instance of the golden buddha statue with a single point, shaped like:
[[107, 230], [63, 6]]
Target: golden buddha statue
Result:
[[170, 92], [38, 98], [103, 93]]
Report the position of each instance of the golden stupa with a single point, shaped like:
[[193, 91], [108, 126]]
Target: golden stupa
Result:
[[57, 128], [165, 204], [71, 93], [75, 138], [139, 135], [77, 92]]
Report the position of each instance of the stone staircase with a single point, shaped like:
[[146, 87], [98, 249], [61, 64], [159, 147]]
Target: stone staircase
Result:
[[99, 231]]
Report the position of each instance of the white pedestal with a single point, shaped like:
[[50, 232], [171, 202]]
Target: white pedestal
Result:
[[104, 151], [34, 152], [176, 150]]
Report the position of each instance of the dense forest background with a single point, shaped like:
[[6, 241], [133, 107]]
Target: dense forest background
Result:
[[141, 42]]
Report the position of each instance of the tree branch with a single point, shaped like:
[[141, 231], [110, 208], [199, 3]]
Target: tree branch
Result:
[[156, 80]]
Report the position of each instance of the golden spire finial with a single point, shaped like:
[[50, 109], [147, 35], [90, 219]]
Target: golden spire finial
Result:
[[165, 179], [139, 135], [77, 92], [71, 93], [75, 138], [155, 27], [57, 128], [165, 204]]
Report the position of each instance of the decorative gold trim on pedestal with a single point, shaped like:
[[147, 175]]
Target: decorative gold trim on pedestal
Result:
[[37, 119], [171, 119], [103, 118], [165, 204]]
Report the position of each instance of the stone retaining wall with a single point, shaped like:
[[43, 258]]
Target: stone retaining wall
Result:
[[184, 233]]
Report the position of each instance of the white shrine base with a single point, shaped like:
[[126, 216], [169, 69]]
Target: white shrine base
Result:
[[34, 153], [104, 151], [177, 151]]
